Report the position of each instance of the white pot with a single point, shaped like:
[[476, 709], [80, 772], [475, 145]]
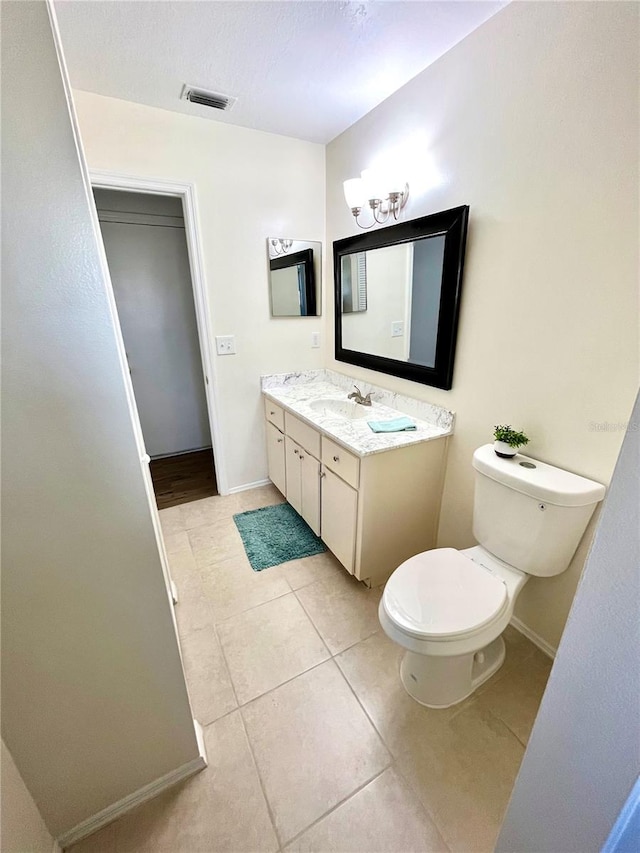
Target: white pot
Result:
[[504, 449]]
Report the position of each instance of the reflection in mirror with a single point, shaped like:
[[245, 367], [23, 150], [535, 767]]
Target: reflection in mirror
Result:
[[397, 297], [400, 291], [294, 277], [354, 283]]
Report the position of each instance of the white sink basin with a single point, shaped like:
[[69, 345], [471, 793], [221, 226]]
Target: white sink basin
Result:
[[341, 409]]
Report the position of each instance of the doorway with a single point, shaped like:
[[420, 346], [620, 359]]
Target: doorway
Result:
[[148, 257]]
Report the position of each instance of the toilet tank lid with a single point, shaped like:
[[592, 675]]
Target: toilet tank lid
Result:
[[542, 482]]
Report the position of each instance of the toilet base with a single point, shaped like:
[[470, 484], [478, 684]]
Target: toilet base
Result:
[[439, 682]]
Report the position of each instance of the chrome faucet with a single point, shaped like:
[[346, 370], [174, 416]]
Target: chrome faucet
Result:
[[357, 396]]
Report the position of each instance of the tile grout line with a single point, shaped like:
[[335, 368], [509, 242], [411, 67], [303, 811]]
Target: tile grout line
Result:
[[280, 595], [338, 805], [288, 681], [341, 802], [340, 651], [425, 808], [261, 781], [246, 610], [357, 643], [257, 606], [226, 666], [281, 684], [250, 746], [472, 700], [313, 624], [364, 710], [394, 758]]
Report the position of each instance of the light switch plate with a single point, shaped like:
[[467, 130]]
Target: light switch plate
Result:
[[225, 344], [397, 329], [315, 340]]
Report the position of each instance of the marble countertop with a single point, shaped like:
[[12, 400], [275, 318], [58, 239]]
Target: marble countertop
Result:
[[296, 392]]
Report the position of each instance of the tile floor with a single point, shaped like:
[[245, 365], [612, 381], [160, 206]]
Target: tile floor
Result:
[[313, 744]]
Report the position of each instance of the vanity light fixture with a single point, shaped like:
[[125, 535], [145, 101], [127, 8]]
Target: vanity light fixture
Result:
[[280, 246], [385, 195]]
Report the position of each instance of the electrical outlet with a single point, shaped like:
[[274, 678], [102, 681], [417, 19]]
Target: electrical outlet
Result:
[[225, 344], [397, 329], [315, 340]]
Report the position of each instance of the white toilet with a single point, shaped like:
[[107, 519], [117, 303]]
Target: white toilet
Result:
[[447, 608]]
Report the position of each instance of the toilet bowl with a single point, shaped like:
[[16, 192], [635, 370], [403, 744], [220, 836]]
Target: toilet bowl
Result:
[[448, 608]]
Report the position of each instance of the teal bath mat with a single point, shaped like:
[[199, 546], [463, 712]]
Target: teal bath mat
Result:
[[276, 534]]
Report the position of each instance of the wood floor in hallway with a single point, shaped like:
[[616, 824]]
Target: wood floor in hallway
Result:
[[183, 478]]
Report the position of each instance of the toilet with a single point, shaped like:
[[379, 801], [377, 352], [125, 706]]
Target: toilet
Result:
[[448, 608]]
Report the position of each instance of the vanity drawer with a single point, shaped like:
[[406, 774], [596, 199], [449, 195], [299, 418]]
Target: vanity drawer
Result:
[[339, 460], [306, 436], [274, 413]]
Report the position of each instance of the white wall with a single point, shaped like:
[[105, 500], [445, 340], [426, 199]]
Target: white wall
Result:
[[583, 756], [250, 186], [94, 703], [532, 120], [22, 829]]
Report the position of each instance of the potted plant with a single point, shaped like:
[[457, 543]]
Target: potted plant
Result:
[[507, 441]]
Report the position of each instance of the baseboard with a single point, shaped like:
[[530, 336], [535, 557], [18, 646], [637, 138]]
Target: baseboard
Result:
[[247, 486], [180, 453], [536, 639], [117, 809]]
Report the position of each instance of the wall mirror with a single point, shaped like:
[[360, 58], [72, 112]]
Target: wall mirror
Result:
[[397, 297], [295, 277]]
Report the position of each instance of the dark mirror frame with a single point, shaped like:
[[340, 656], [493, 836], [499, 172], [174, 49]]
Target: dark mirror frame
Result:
[[304, 257], [453, 224]]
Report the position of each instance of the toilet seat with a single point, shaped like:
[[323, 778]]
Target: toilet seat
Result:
[[443, 594]]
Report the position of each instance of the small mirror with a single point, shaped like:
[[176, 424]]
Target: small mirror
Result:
[[294, 277]]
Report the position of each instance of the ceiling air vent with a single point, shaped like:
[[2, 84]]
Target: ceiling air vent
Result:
[[208, 99]]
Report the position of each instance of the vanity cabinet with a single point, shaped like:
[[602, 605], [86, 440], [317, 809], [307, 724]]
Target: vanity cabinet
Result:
[[373, 512], [339, 518], [302, 483], [276, 457]]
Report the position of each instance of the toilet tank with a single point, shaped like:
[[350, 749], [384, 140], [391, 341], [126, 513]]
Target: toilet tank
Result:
[[530, 514]]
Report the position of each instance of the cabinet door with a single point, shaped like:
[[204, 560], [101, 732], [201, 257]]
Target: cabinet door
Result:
[[275, 457], [339, 518], [294, 486], [310, 487]]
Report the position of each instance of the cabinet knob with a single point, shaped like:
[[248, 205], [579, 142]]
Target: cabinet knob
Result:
[[322, 474], [301, 457], [336, 458], [279, 441], [296, 452], [272, 413]]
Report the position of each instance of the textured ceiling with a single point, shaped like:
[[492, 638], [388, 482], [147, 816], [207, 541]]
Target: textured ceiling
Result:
[[300, 68]]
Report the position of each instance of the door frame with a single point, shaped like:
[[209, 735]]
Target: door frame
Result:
[[186, 192]]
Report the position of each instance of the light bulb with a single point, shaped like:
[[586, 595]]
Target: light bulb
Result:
[[395, 183], [354, 192], [374, 184]]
